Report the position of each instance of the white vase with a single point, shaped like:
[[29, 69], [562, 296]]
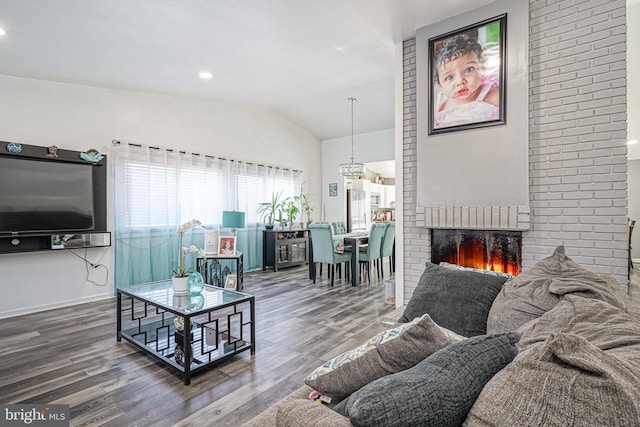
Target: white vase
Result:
[[180, 285]]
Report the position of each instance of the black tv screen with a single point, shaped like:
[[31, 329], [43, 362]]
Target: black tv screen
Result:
[[45, 196]]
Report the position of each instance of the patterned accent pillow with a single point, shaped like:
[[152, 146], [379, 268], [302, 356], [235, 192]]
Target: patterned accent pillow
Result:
[[390, 351]]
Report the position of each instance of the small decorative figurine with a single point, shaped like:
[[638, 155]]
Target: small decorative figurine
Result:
[[91, 155], [14, 147], [53, 151]]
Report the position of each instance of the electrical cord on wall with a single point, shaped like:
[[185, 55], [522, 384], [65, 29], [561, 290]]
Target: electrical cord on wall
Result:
[[95, 266]]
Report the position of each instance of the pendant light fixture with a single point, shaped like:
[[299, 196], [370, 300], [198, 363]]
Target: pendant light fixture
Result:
[[352, 170]]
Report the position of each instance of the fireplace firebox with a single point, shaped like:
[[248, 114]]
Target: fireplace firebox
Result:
[[484, 249]]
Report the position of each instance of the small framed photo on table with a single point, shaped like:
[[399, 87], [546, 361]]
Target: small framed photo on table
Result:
[[231, 282], [227, 245]]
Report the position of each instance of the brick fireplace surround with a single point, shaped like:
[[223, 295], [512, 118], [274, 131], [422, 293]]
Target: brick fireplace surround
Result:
[[576, 143]]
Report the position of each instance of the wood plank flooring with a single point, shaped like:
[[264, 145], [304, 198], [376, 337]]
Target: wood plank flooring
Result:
[[70, 356]]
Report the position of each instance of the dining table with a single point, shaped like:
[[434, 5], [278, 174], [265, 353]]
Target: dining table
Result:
[[352, 240]]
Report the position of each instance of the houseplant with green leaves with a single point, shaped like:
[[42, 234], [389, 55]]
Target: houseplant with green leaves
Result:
[[305, 205], [291, 210], [271, 211]]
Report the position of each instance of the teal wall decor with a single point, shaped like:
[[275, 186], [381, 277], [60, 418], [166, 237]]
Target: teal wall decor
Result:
[[14, 148], [91, 155]]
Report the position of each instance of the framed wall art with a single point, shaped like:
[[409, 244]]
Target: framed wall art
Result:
[[333, 189], [467, 80]]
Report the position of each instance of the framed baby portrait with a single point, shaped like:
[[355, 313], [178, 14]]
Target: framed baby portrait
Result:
[[227, 245], [467, 86]]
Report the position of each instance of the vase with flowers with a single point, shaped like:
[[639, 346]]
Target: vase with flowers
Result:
[[182, 272]]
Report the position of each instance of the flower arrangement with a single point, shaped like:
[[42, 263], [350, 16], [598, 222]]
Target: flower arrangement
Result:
[[182, 270]]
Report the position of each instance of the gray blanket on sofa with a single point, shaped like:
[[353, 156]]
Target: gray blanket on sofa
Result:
[[537, 290], [579, 360]]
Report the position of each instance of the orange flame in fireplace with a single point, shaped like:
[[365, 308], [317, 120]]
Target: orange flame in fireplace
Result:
[[473, 254]]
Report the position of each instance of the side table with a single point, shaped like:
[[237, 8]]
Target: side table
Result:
[[214, 273]]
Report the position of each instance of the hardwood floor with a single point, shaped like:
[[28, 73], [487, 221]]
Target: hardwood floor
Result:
[[70, 356]]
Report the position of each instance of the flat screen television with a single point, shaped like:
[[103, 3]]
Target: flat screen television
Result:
[[40, 196]]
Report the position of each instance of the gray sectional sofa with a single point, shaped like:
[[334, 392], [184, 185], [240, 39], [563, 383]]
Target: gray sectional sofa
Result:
[[557, 345]]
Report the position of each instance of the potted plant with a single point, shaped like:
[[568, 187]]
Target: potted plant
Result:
[[305, 206], [182, 272], [290, 208], [271, 211]]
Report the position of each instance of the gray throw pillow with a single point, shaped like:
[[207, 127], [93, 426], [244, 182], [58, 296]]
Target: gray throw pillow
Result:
[[439, 391], [458, 300]]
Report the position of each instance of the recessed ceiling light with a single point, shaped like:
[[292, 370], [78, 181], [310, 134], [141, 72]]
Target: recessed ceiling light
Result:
[[3, 32], [632, 141], [206, 75]]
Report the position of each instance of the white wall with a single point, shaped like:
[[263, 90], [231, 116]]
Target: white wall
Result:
[[485, 166], [368, 147], [78, 117]]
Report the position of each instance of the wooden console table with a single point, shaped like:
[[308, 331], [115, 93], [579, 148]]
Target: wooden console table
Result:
[[284, 248]]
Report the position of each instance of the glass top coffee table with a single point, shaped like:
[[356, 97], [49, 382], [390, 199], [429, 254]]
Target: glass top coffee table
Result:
[[203, 329]]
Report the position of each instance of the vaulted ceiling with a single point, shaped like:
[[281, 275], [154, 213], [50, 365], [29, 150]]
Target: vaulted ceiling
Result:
[[300, 58]]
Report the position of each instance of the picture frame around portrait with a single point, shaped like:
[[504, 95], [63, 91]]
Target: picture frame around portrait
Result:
[[231, 282], [467, 77], [227, 245]]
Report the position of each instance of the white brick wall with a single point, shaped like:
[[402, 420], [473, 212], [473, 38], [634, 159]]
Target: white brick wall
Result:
[[577, 135], [417, 240]]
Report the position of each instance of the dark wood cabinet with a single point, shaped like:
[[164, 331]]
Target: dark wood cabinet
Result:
[[284, 248]]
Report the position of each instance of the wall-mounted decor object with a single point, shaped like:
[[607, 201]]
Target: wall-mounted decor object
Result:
[[14, 147], [333, 189], [91, 155], [52, 151], [467, 86]]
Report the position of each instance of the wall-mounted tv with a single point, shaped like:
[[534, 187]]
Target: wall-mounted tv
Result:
[[50, 195]]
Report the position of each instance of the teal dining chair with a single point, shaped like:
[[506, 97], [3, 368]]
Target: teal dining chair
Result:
[[372, 251], [338, 227], [323, 250], [388, 241]]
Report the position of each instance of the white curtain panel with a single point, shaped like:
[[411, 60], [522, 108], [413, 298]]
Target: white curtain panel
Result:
[[159, 189]]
